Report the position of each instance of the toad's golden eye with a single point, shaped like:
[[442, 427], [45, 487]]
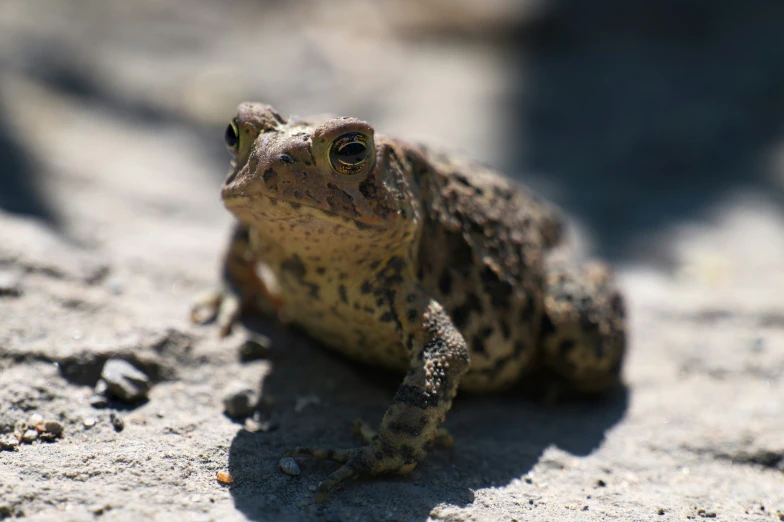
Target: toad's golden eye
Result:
[[349, 153], [232, 136]]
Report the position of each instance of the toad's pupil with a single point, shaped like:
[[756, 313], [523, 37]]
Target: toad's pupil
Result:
[[231, 136], [351, 153]]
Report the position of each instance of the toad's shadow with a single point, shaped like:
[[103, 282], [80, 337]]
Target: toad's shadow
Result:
[[498, 439]]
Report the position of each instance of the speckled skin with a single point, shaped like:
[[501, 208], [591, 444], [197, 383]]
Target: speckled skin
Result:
[[409, 259]]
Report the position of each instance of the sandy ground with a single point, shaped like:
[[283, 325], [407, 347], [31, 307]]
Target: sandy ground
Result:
[[110, 221]]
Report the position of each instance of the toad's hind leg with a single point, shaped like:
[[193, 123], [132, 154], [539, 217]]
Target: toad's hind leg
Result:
[[583, 336]]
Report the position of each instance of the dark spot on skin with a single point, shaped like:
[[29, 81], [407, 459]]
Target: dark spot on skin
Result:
[[270, 176], [399, 427], [528, 309], [294, 266], [313, 289], [407, 452], [356, 306], [504, 329], [366, 287], [391, 273], [380, 302], [368, 188], [478, 345], [460, 316], [565, 347], [374, 265], [548, 328], [461, 179], [241, 233], [416, 397], [412, 315], [498, 289], [386, 317], [295, 206], [461, 313], [320, 270], [617, 306], [341, 202], [588, 325], [486, 332], [615, 369], [460, 254], [369, 309], [445, 282], [411, 298]]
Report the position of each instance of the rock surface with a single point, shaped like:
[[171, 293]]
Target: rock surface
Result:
[[110, 164]]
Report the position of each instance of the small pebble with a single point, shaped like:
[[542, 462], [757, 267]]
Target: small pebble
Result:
[[255, 348], [312, 487], [29, 436], [35, 419], [125, 381], [264, 426], [20, 427], [53, 427], [98, 401], [47, 437], [224, 477], [305, 401], [289, 466], [239, 401], [101, 388], [9, 443], [9, 284], [117, 422], [89, 422]]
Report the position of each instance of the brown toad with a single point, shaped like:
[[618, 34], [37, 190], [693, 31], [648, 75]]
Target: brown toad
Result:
[[400, 256]]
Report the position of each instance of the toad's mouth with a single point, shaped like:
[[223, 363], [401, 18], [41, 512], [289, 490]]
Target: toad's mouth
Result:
[[260, 208]]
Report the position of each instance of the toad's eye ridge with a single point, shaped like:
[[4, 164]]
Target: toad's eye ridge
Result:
[[349, 153], [232, 136]]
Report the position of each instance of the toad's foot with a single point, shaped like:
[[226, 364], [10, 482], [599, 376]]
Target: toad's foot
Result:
[[219, 305], [377, 457], [374, 459], [242, 288]]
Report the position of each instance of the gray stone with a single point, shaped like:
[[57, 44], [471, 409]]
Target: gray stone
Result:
[[239, 400], [125, 381]]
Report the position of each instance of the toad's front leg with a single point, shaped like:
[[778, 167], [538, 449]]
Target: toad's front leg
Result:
[[439, 358]]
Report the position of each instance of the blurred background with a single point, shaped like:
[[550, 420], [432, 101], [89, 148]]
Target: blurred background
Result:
[[634, 117]]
